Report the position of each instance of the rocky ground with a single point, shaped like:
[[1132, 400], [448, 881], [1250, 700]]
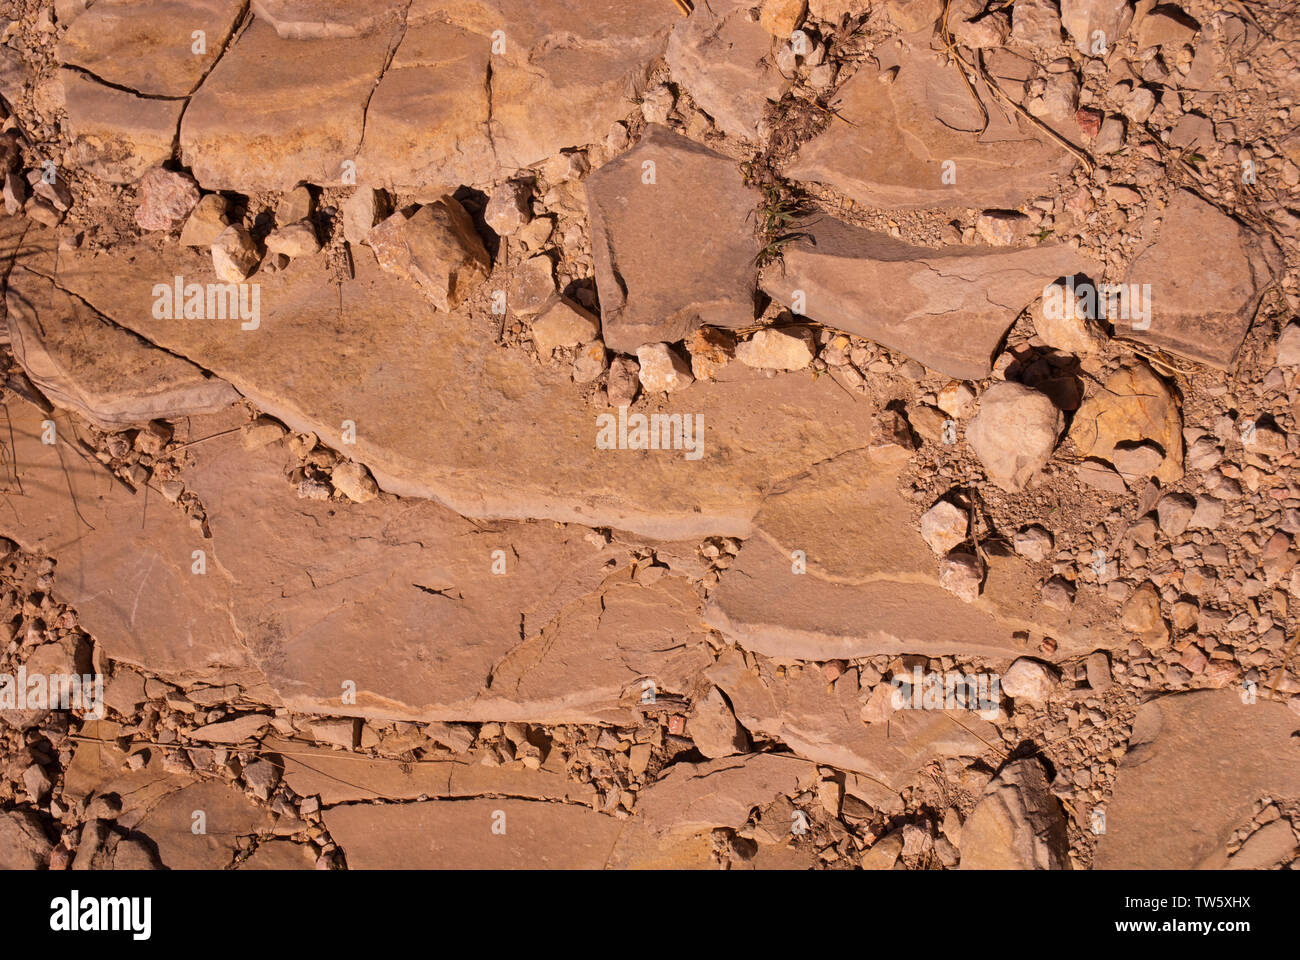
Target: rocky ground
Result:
[[503, 433]]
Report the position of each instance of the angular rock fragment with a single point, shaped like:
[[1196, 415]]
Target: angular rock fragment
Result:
[[911, 298], [787, 348], [658, 284], [1199, 308], [562, 323], [1096, 25], [437, 248], [723, 59], [206, 222], [1133, 406], [1017, 824], [914, 142], [234, 254], [166, 199], [662, 369], [713, 727]]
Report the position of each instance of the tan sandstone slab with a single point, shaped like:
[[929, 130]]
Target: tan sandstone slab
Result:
[[871, 584], [892, 151], [338, 777], [947, 307], [825, 726], [110, 376], [441, 412], [673, 252], [480, 89], [459, 835], [1203, 296], [274, 112], [1196, 766], [725, 61], [694, 798], [227, 815], [149, 46], [125, 562], [399, 599], [117, 135], [326, 19]]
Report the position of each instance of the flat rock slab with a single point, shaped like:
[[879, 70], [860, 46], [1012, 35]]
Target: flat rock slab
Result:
[[946, 307], [871, 584], [561, 635], [109, 375], [1196, 766], [442, 413], [457, 835], [227, 815], [337, 777], [148, 47], [570, 68], [280, 855], [693, 798], [327, 19], [724, 59], [115, 134], [1202, 299], [673, 253], [900, 137], [275, 113], [125, 561], [423, 97], [826, 727]]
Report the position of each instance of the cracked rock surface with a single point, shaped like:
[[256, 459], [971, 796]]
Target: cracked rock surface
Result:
[[556, 434]]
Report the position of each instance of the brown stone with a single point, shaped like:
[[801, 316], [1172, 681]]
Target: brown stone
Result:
[[872, 586], [824, 725], [899, 136], [444, 835], [911, 298], [657, 285], [696, 798], [437, 248], [723, 59], [115, 134], [1017, 824], [81, 362], [1200, 308], [1133, 406], [149, 47], [1197, 765]]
